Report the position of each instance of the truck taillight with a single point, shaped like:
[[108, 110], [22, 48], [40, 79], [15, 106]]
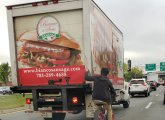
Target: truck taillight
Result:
[[28, 101], [74, 100], [34, 4], [55, 1], [9, 7], [45, 2]]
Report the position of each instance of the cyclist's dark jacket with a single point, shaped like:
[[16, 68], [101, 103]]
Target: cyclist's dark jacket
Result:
[[102, 89]]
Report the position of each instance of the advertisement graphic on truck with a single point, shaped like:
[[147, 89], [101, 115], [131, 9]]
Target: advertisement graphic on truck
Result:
[[45, 50], [107, 47]]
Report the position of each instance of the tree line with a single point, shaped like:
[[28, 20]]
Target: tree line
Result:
[[135, 72], [5, 71]]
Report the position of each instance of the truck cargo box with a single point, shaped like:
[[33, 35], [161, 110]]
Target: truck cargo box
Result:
[[58, 40], [53, 43]]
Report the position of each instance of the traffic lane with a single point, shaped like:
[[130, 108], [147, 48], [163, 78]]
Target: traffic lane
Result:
[[157, 108], [136, 105], [134, 112], [142, 107], [119, 111]]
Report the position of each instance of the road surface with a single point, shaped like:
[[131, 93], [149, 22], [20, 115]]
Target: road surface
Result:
[[141, 108]]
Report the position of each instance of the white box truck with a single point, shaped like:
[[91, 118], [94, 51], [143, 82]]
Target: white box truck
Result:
[[51, 44], [152, 76]]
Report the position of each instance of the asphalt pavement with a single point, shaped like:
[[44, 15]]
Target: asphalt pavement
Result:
[[141, 108]]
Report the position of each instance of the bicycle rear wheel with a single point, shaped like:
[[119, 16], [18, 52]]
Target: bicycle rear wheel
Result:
[[100, 115]]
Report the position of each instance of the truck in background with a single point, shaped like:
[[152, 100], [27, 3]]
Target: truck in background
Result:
[[152, 76], [51, 45], [153, 80]]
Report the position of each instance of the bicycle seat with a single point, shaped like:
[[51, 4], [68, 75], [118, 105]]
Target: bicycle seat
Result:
[[99, 102]]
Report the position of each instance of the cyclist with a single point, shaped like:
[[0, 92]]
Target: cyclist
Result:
[[102, 89]]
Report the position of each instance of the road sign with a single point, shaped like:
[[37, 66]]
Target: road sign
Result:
[[162, 66], [150, 67]]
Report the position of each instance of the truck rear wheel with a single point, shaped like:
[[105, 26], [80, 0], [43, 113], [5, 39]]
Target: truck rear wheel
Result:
[[126, 104], [57, 116]]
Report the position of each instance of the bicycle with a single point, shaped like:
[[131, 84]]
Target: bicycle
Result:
[[101, 113]]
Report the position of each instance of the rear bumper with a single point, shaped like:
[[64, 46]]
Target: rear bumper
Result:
[[153, 87], [138, 92]]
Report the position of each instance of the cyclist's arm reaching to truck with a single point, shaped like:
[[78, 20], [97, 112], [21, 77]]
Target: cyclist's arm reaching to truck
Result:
[[112, 90]]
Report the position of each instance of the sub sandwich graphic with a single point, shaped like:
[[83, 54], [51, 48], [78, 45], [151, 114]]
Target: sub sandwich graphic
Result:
[[40, 53]]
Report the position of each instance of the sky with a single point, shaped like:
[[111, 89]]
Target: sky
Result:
[[142, 23]]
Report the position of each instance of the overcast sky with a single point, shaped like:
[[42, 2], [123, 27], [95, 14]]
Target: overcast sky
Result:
[[141, 21]]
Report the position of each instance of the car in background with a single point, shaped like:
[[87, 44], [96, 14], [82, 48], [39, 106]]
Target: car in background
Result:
[[139, 86], [5, 90], [161, 82], [1, 90], [153, 84]]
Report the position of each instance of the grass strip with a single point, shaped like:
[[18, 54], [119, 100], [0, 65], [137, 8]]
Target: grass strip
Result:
[[13, 101]]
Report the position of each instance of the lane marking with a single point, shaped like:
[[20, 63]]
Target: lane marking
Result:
[[149, 104]]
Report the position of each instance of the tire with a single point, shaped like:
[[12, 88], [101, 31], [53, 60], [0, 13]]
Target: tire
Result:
[[126, 104], [57, 116], [132, 94], [97, 113], [146, 94]]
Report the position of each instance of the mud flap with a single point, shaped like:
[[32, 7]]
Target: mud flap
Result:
[[90, 106]]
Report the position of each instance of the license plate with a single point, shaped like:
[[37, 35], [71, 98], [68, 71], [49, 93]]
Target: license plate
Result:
[[46, 114], [49, 99]]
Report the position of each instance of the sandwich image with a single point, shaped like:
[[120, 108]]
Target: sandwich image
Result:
[[39, 53]]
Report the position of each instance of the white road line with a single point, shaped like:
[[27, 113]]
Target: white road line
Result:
[[157, 95], [149, 104]]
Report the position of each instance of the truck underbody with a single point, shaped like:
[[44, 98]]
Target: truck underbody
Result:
[[60, 98]]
